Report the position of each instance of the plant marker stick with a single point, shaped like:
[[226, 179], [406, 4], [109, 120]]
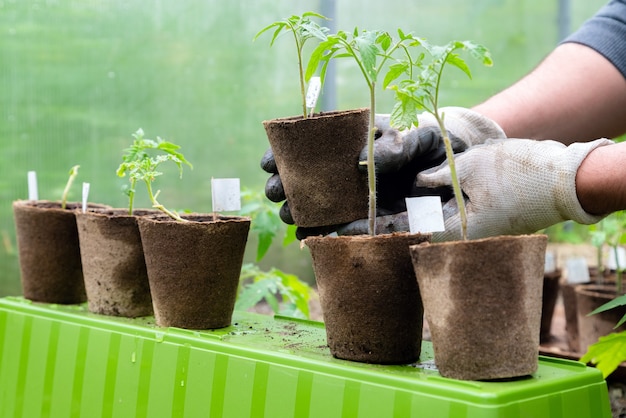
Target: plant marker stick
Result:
[[85, 196], [425, 214], [226, 195], [33, 193], [313, 92]]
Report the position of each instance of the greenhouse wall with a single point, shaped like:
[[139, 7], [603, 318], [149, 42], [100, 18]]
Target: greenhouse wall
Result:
[[78, 77]]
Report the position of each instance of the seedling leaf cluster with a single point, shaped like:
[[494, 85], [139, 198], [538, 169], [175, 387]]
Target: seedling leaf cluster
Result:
[[419, 91], [303, 28], [141, 161]]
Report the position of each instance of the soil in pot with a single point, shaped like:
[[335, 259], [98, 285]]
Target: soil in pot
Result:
[[116, 280], [482, 300], [318, 162], [193, 268], [49, 252], [551, 288], [591, 327], [369, 296]]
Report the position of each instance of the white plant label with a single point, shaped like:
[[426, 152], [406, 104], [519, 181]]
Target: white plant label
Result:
[[550, 263], [313, 92], [620, 261], [425, 214], [577, 270], [33, 192], [85, 196], [226, 195]]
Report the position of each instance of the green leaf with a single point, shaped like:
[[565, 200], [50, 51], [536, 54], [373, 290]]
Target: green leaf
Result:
[[608, 353], [618, 301]]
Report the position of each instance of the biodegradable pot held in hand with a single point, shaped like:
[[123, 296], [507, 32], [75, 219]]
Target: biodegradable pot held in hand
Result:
[[369, 296], [318, 162], [115, 273], [482, 300], [49, 251], [193, 268]]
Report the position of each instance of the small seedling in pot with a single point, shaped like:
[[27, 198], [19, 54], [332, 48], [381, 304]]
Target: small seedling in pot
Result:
[[68, 185], [371, 50], [419, 91], [302, 28], [33, 192], [139, 164]]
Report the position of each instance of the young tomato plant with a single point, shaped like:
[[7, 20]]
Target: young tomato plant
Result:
[[302, 28], [371, 50], [141, 166], [68, 185], [419, 91]]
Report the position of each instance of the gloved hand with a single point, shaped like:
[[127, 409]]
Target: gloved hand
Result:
[[398, 156], [514, 186]]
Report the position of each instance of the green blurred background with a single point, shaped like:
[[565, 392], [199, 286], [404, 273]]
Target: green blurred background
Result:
[[78, 77]]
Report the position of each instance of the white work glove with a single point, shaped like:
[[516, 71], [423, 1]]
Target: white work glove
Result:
[[400, 155], [514, 186]]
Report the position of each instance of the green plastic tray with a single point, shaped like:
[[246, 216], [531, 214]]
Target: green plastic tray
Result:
[[62, 361]]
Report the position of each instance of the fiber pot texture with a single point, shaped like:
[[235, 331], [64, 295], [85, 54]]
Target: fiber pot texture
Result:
[[114, 269], [590, 328], [369, 296], [482, 300], [193, 268], [49, 252], [318, 162]]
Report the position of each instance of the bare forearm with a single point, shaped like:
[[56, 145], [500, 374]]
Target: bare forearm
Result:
[[601, 180], [575, 94]]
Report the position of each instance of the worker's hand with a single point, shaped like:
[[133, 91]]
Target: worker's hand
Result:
[[400, 155], [514, 186]]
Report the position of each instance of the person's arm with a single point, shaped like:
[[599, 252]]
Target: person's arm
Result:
[[601, 180], [575, 94]]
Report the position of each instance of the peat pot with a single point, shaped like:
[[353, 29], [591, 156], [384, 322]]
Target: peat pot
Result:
[[193, 268], [482, 300], [318, 162], [116, 280], [49, 252], [589, 297], [369, 296]]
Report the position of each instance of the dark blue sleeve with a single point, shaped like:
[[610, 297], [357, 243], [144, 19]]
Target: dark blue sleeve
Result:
[[605, 32]]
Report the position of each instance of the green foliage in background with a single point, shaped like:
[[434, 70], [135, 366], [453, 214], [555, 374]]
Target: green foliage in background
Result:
[[285, 293], [610, 350]]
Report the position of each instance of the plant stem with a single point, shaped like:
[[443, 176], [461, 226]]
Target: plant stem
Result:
[[66, 191], [157, 205], [131, 195], [618, 271], [301, 72], [371, 168], [456, 187]]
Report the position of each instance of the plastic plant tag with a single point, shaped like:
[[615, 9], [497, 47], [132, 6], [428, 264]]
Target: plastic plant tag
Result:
[[425, 214], [577, 270], [33, 193], [614, 262], [85, 196], [226, 195], [550, 264], [313, 92]]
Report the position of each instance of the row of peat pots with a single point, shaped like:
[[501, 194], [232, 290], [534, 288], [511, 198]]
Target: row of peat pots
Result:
[[186, 274], [482, 298]]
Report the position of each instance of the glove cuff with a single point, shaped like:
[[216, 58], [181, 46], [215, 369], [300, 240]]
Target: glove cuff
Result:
[[577, 152]]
